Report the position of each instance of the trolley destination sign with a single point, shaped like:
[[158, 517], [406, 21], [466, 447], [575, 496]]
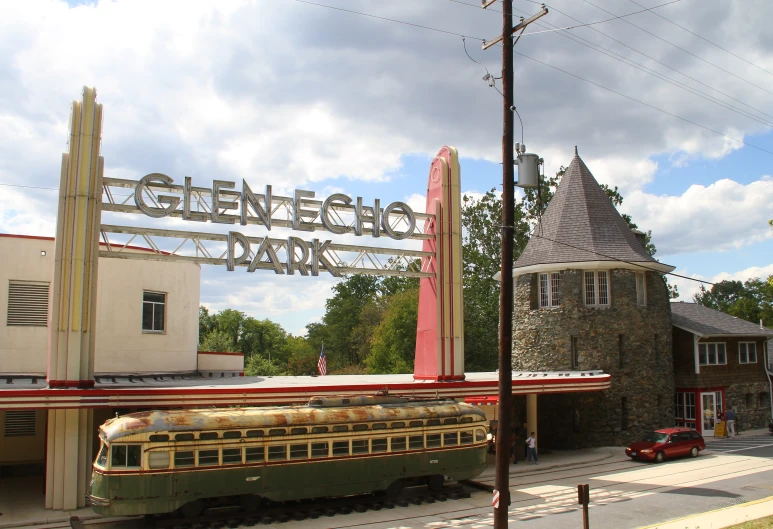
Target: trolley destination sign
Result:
[[157, 196]]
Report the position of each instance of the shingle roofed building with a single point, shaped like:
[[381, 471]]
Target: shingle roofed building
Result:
[[705, 321], [580, 225]]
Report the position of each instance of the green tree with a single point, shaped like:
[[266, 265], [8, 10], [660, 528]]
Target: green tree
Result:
[[751, 300], [302, 357], [257, 366], [264, 338], [217, 341], [394, 341]]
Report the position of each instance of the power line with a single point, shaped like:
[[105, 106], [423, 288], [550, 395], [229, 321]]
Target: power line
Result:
[[657, 61], [622, 260], [706, 40], [645, 104], [680, 48], [389, 20]]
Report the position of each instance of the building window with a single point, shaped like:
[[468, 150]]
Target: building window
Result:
[[685, 409], [764, 400], [27, 303], [747, 353], [153, 311], [751, 401], [641, 289], [19, 423], [575, 352], [711, 354], [548, 289], [596, 288]]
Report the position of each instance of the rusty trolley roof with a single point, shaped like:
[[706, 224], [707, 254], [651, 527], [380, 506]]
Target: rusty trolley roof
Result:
[[319, 411]]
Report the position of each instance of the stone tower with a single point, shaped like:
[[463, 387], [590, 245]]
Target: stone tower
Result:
[[588, 296]]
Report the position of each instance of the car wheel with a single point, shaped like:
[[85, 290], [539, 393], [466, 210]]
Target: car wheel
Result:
[[694, 451], [659, 457]]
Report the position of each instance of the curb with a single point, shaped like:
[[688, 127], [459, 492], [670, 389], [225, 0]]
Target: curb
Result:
[[720, 518]]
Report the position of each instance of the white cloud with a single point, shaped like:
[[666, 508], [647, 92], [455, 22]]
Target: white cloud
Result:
[[687, 288], [723, 216]]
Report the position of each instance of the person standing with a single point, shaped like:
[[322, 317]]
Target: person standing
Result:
[[531, 449], [730, 422]]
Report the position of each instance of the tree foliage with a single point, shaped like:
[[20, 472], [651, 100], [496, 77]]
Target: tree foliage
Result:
[[394, 340], [751, 300]]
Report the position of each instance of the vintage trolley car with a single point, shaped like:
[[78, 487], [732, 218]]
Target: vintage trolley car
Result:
[[161, 461]]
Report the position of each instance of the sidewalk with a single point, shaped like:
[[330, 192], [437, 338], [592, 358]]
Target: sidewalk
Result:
[[721, 517], [558, 459]]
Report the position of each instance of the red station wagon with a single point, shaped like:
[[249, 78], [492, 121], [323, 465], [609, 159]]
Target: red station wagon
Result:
[[667, 443]]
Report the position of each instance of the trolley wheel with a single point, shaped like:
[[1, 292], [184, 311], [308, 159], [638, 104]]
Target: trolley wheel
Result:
[[395, 488], [250, 502], [192, 509], [435, 482]]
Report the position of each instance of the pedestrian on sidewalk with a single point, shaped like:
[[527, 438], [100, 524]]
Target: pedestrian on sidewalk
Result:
[[730, 422], [531, 449]]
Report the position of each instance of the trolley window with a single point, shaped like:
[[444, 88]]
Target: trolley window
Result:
[[450, 439], [433, 422], [184, 459], [398, 424], [299, 431], [208, 458], [319, 449], [255, 454], [299, 451], [125, 456], [183, 437], [433, 440], [466, 437], [340, 448], [102, 457], [232, 434], [414, 424], [480, 435], [275, 453], [466, 420], [319, 429], [359, 427], [159, 438], [158, 460], [232, 456], [341, 428], [359, 446], [398, 444], [378, 445], [254, 433], [379, 426], [206, 436], [277, 431], [451, 420], [415, 442]]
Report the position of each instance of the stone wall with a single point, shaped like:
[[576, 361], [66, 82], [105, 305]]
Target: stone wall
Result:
[[751, 403], [631, 343]]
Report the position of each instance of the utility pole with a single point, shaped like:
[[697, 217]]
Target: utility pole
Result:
[[501, 500]]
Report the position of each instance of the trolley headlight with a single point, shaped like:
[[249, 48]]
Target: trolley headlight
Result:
[[489, 437]]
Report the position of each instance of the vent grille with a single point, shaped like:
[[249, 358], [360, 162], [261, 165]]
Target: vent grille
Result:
[[20, 423], [28, 303]]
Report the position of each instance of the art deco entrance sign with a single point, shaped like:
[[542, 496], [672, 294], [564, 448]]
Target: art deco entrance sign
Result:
[[85, 195]]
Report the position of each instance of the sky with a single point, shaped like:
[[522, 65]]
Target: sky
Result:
[[672, 105]]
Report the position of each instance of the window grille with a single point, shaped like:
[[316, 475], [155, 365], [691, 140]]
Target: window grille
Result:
[[597, 288], [747, 353], [153, 311], [641, 290], [19, 423], [27, 303], [549, 289]]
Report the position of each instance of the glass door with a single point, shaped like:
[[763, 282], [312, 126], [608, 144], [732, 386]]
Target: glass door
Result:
[[708, 413]]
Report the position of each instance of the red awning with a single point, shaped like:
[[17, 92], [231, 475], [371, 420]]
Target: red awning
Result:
[[479, 401]]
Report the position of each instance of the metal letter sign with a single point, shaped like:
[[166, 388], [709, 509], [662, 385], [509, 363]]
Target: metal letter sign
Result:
[[157, 196]]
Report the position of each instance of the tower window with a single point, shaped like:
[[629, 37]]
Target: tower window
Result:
[[597, 288], [575, 352], [620, 352], [548, 289], [641, 289]]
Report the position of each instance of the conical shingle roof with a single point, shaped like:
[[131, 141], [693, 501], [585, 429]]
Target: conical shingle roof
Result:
[[581, 225]]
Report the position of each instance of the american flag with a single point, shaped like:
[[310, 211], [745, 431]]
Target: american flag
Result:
[[322, 364]]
